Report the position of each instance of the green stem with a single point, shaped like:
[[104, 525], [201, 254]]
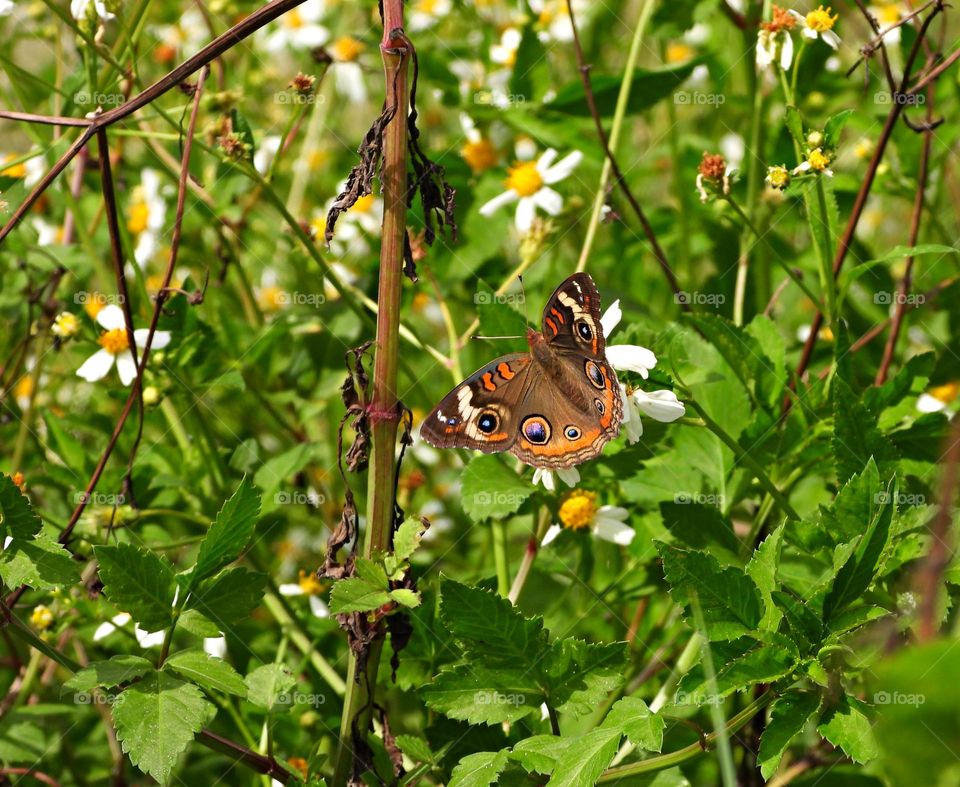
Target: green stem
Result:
[[623, 98], [499, 530]]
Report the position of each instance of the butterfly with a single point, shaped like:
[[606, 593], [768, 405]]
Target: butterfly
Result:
[[555, 406]]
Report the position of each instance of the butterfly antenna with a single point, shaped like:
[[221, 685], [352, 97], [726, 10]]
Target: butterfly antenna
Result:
[[523, 295]]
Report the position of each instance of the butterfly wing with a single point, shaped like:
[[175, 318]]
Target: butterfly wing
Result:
[[571, 318], [481, 413]]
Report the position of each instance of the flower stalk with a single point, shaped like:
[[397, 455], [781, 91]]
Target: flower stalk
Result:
[[384, 404]]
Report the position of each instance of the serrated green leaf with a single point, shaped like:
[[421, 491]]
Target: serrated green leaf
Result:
[[491, 490], [585, 758], [416, 748], [729, 598], [356, 594], [407, 538], [16, 514], [207, 671], [856, 437], [634, 719], [788, 717], [156, 719], [229, 534], [405, 597], [109, 673], [490, 625], [478, 694], [539, 753], [762, 569], [228, 597], [854, 618], [855, 505], [139, 582], [699, 526], [581, 675], [848, 727], [804, 623], [478, 770], [41, 563], [268, 685]]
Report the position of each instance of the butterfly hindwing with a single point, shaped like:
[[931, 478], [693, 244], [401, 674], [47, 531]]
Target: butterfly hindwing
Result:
[[571, 318]]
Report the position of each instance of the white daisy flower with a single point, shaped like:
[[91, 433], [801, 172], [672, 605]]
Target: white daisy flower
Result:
[[888, 14], [553, 19], [80, 10], [146, 216], [569, 475], [528, 184], [347, 73], [6, 7], [819, 24], [299, 28], [354, 227], [505, 53], [116, 347], [579, 511], [424, 14], [215, 646], [774, 46], [266, 153], [308, 585], [939, 398]]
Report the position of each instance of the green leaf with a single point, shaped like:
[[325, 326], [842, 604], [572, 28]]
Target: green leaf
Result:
[[729, 598], [406, 597], [41, 563], [700, 526], [16, 514], [762, 569], [356, 594], [476, 693], [109, 673], [416, 748], [490, 625], [647, 88], [539, 753], [833, 127], [267, 685], [788, 717], [275, 471], [856, 575], [207, 671], [763, 665], [581, 675], [156, 719], [848, 727], [491, 490], [854, 507], [230, 532], [585, 758], [634, 719], [856, 437], [804, 623], [478, 770], [137, 581], [228, 597], [405, 543]]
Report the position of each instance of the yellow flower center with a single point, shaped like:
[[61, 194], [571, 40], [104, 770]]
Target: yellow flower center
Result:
[[888, 14], [778, 177], [578, 510], [41, 617], [310, 584], [271, 299], [820, 20], [479, 155], [24, 388], [524, 179], [17, 170], [139, 215], [346, 49], [946, 393], [114, 341], [317, 159], [818, 160], [427, 6], [678, 52], [293, 19], [94, 305], [364, 204]]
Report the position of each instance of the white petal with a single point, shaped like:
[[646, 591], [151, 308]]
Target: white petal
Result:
[[831, 39], [544, 162], [149, 639], [786, 52], [121, 620], [810, 33], [526, 210], [549, 200], [613, 512], [631, 358], [106, 629], [546, 477], [349, 79], [290, 589], [552, 532], [310, 36], [7, 541], [569, 475], [160, 338], [489, 207], [96, 366], [111, 317], [929, 404], [215, 646], [803, 167], [265, 154], [511, 38], [613, 530], [78, 8], [318, 608], [611, 318], [126, 367], [563, 168], [660, 405]]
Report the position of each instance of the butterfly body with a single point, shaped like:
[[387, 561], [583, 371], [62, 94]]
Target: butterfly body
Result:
[[555, 406]]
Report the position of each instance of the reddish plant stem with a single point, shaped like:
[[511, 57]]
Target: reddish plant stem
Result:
[[384, 404], [903, 290]]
